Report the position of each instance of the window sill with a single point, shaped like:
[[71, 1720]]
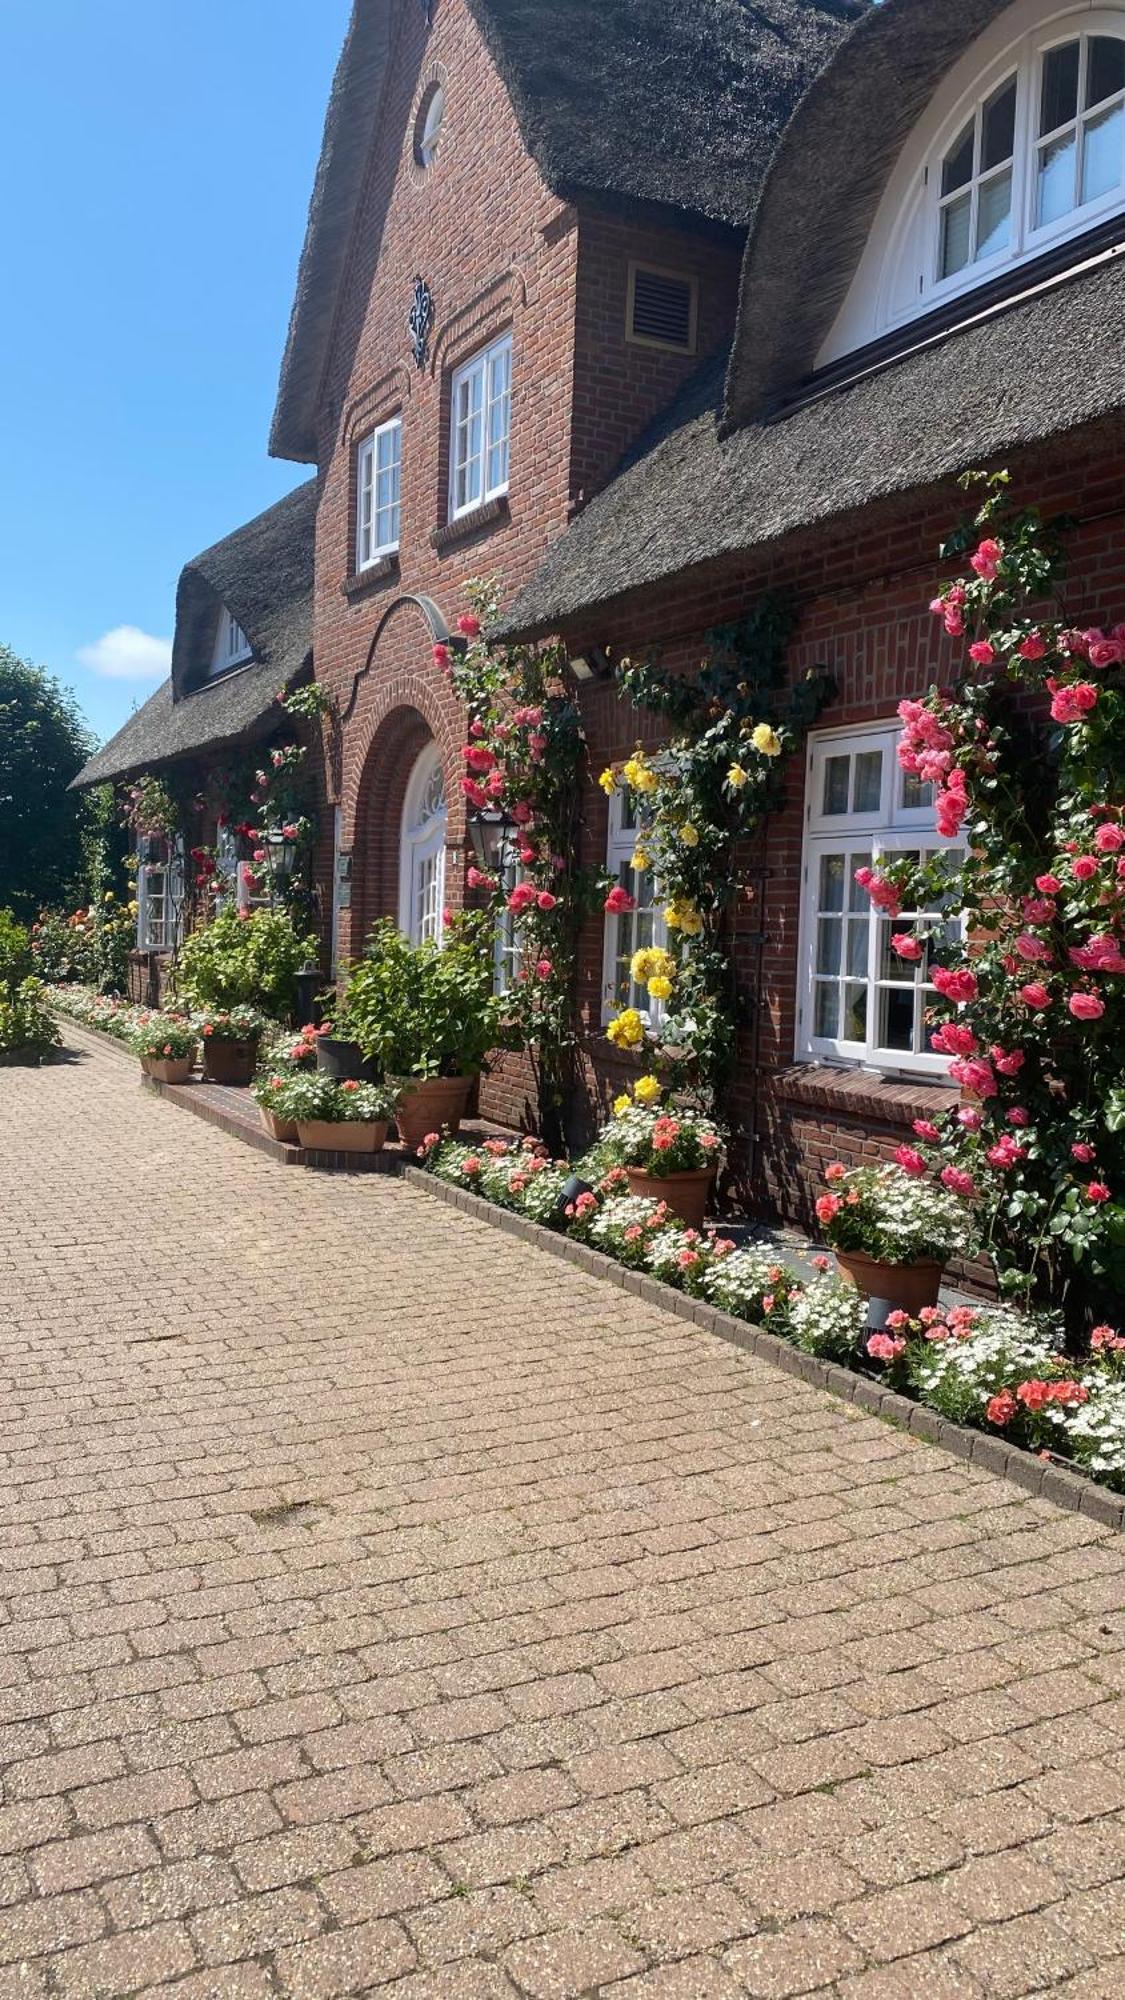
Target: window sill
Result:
[[371, 578], [477, 518], [857, 1093]]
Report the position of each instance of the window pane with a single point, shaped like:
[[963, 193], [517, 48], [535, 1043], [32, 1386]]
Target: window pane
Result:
[[828, 942], [998, 136], [857, 897], [994, 213], [957, 168], [1105, 68], [1056, 179], [897, 970], [868, 781], [955, 232], [826, 1020], [915, 795], [896, 1017], [836, 771], [1059, 100], [1101, 152], [832, 882], [855, 1013], [857, 946]]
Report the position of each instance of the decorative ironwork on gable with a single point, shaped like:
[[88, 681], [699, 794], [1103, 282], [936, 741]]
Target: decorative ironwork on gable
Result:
[[421, 320]]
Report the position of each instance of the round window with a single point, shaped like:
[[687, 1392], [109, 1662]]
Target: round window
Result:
[[427, 125]]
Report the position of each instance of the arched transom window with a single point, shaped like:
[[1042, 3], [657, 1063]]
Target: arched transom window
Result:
[[1023, 147], [421, 894]]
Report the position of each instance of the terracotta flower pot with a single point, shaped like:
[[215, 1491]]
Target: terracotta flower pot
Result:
[[169, 1069], [429, 1104], [909, 1286], [229, 1062], [685, 1194], [342, 1135], [344, 1060], [283, 1130]]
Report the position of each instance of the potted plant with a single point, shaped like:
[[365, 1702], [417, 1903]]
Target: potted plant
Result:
[[338, 1053], [230, 1044], [288, 1056], [667, 1154], [893, 1229], [335, 1117], [165, 1046], [426, 1017]]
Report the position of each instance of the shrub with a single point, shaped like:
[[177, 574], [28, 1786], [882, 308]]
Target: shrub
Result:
[[26, 1028], [428, 1009], [15, 951], [245, 961]]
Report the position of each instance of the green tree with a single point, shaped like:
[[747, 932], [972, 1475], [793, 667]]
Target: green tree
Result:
[[44, 743]]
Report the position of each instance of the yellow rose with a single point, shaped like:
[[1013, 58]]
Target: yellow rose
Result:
[[640, 863], [690, 836], [627, 1030], [659, 987], [646, 780], [766, 740], [608, 780], [108, 897], [640, 965], [647, 1089], [620, 1104], [737, 777], [631, 770]]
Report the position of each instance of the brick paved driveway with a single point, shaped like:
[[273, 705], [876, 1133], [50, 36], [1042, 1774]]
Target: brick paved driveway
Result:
[[387, 1607]]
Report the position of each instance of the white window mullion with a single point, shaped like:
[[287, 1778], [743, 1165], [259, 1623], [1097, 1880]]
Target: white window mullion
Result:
[[480, 428]]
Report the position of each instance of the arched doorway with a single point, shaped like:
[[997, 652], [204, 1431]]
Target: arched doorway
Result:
[[421, 885]]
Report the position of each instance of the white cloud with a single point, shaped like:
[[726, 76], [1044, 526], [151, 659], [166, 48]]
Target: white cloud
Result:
[[128, 654]]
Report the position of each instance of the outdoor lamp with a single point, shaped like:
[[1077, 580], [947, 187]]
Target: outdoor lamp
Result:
[[488, 831]]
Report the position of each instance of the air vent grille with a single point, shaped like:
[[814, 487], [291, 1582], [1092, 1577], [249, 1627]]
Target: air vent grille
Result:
[[662, 308]]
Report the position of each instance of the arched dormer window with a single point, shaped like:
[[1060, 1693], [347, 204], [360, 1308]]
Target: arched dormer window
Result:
[[1021, 150]]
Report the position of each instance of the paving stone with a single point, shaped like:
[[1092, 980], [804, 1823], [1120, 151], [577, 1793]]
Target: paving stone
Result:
[[424, 1614]]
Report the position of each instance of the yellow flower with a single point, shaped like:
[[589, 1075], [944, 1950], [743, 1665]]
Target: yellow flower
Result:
[[690, 836], [620, 1104], [683, 916], [651, 961], [632, 768], [737, 777], [627, 1030], [640, 863], [108, 897], [766, 740], [647, 1089], [659, 987], [608, 780]]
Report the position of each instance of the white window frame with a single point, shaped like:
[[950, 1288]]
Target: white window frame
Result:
[[159, 908], [378, 524], [622, 841], [508, 945], [232, 648], [480, 387], [881, 833], [421, 878], [897, 279]]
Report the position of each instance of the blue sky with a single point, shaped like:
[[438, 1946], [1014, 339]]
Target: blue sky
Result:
[[156, 158]]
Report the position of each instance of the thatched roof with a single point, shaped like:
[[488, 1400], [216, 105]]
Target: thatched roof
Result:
[[263, 574], [691, 495], [672, 107], [831, 165]]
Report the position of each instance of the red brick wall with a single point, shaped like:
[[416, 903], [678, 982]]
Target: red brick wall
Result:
[[499, 251]]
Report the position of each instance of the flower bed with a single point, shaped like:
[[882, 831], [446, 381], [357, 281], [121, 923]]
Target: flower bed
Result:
[[988, 1367], [109, 1016]]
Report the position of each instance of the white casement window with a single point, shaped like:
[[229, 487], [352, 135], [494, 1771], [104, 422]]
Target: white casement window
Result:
[[161, 881], [480, 427], [232, 648], [858, 1002], [378, 477], [635, 929], [421, 895], [1022, 147]]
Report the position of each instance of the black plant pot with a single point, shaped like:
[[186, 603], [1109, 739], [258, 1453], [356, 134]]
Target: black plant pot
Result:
[[344, 1060]]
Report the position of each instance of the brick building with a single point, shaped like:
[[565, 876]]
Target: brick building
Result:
[[647, 309]]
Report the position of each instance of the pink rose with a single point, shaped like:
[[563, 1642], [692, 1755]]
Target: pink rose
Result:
[[1085, 867], [1097, 1192], [1086, 1006], [543, 968], [1082, 1152], [1109, 839], [545, 900], [1018, 1116], [958, 1182], [441, 656], [1033, 647], [910, 1161], [925, 1129], [522, 897], [987, 559], [1032, 948], [1035, 994], [982, 653], [1048, 885], [619, 902], [1009, 1062], [905, 946], [478, 757], [1102, 651], [959, 986], [969, 1118], [468, 626]]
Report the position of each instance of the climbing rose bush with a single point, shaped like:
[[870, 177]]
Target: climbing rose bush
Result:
[[1026, 755]]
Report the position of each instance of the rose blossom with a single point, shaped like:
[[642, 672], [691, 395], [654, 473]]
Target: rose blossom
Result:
[[1048, 885], [958, 1182], [957, 985], [982, 653], [468, 625], [925, 1129], [1109, 839], [827, 1206], [1086, 1006], [1085, 867], [986, 560], [905, 946], [1102, 651], [1009, 1062], [619, 902], [1097, 1192], [1035, 994], [910, 1161], [1018, 1116], [836, 1171], [1082, 1152], [969, 1118], [545, 900]]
